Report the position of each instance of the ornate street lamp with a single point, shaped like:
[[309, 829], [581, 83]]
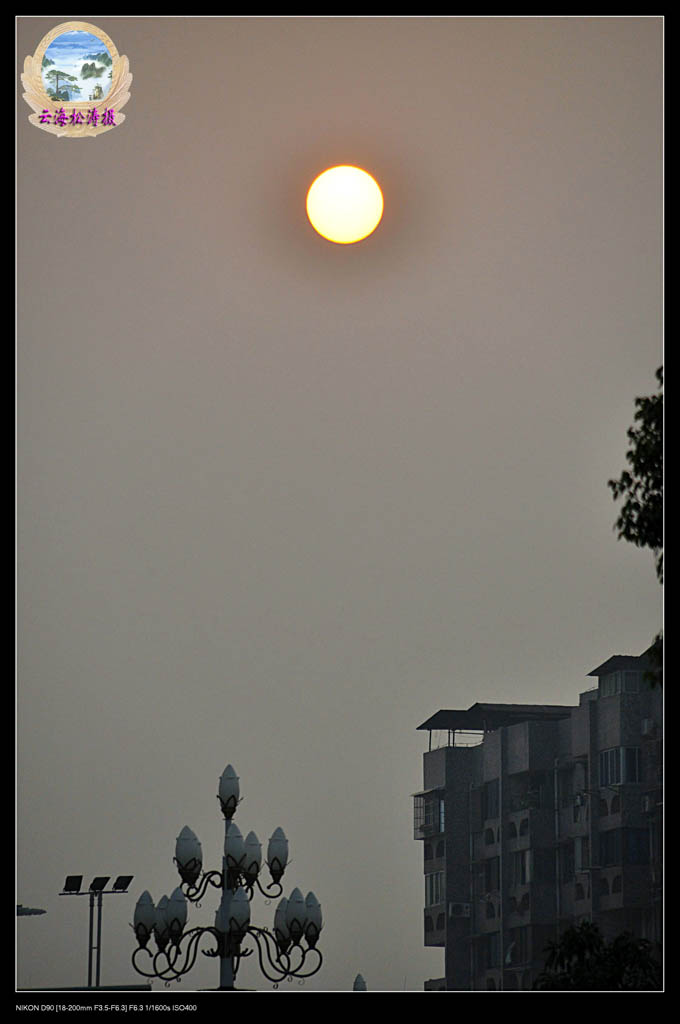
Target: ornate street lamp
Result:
[[289, 951]]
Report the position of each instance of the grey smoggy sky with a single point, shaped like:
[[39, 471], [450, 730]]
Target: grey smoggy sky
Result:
[[280, 500]]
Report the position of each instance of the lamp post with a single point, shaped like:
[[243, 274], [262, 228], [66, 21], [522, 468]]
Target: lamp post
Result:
[[96, 891], [286, 952]]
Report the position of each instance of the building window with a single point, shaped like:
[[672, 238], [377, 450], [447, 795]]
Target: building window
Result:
[[636, 845], [620, 682], [490, 800], [544, 865], [524, 827], [428, 815], [520, 868], [491, 950], [434, 815], [581, 853], [610, 847], [631, 682], [434, 888], [492, 874], [567, 861], [518, 948], [619, 764], [489, 837], [609, 685]]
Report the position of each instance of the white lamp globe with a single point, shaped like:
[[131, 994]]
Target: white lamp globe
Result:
[[188, 855], [144, 918], [176, 914], [296, 915], [314, 922], [228, 791], [239, 914], [234, 847], [277, 854], [252, 857]]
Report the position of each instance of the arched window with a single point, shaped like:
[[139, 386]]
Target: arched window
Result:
[[490, 909], [489, 837], [616, 883], [524, 827], [604, 808]]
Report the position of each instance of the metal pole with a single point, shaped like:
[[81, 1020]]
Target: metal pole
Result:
[[226, 962], [89, 954], [100, 898]]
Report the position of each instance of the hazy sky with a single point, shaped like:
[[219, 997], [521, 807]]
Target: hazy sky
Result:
[[280, 500]]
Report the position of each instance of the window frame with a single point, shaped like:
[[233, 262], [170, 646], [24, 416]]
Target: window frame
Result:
[[434, 888], [620, 766]]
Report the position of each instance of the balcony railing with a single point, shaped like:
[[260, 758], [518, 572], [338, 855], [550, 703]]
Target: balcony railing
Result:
[[455, 738]]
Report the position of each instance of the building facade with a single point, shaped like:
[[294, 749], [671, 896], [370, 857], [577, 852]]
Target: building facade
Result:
[[534, 818]]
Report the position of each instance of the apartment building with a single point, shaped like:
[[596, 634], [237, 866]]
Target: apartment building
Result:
[[536, 817]]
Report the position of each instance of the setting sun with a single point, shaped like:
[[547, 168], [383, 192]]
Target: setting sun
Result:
[[345, 204]]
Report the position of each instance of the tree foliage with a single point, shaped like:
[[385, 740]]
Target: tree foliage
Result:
[[582, 961], [54, 76], [641, 517]]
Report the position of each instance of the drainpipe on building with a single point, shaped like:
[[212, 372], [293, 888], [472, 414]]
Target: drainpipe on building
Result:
[[472, 890], [500, 853], [557, 847]]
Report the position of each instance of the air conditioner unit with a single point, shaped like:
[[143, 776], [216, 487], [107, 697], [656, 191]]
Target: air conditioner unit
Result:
[[647, 726], [459, 909]]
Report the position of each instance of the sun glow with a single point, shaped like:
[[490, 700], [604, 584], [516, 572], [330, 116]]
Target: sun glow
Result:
[[345, 204]]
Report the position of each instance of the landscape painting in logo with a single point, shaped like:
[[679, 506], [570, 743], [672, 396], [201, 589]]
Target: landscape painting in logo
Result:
[[77, 67]]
